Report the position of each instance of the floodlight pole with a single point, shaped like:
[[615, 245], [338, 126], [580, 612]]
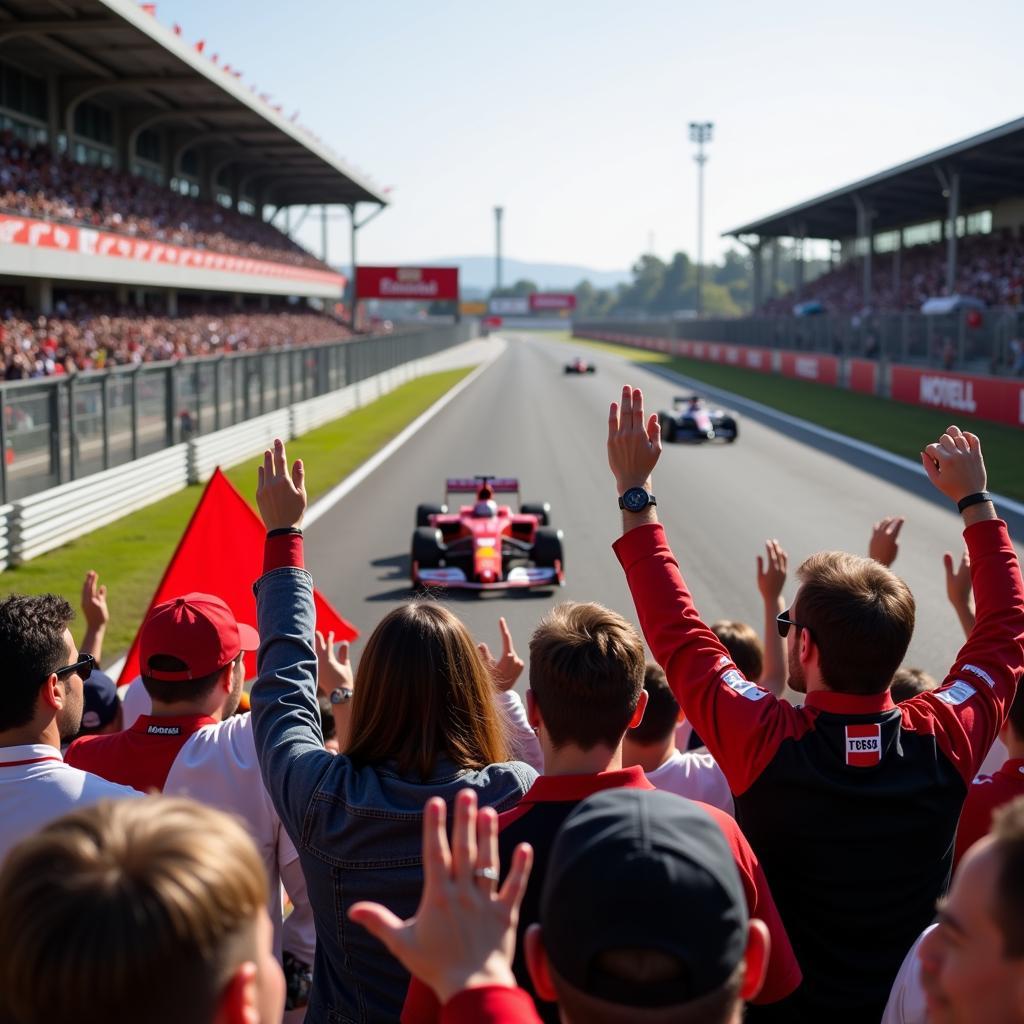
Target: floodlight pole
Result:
[[700, 132], [499, 212]]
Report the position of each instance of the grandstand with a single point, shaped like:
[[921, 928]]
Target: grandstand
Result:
[[136, 166], [946, 223]]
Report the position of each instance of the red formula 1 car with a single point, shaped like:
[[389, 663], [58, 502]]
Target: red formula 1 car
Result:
[[486, 546], [580, 365]]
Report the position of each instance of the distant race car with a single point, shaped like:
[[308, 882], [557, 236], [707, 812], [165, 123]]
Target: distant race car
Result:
[[580, 366], [691, 419], [486, 546]]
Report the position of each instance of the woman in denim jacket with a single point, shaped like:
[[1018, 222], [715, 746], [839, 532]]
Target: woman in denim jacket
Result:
[[423, 723]]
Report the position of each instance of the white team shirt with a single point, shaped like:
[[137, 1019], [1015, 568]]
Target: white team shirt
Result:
[[907, 1004], [217, 766], [36, 787], [695, 775]]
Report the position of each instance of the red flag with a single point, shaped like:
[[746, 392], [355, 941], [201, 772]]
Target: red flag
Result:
[[221, 552]]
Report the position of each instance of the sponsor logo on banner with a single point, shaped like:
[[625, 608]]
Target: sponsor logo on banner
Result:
[[948, 393], [735, 680], [807, 366], [512, 305], [547, 301], [956, 694], [416, 284], [863, 745]]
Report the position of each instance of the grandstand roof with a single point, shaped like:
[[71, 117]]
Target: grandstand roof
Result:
[[117, 51], [991, 168]]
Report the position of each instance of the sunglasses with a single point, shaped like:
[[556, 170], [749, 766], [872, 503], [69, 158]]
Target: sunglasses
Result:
[[783, 622], [83, 667]]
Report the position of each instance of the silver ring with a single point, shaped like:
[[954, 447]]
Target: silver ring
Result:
[[491, 874]]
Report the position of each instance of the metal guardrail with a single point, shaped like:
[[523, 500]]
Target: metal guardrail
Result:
[[58, 429], [971, 341]]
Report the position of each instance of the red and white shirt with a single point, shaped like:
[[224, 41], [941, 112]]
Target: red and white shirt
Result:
[[214, 763], [987, 794], [36, 787]]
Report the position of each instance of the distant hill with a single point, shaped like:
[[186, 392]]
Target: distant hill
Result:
[[477, 274]]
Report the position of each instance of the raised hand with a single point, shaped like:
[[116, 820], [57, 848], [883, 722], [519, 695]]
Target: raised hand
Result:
[[771, 571], [959, 589], [633, 443], [464, 932], [281, 494], [333, 669], [955, 465], [884, 544], [94, 602], [505, 672]]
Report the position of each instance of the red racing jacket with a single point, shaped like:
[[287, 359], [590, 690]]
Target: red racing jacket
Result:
[[850, 802]]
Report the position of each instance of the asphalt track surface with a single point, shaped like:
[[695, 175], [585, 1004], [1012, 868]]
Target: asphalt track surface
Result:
[[524, 417]]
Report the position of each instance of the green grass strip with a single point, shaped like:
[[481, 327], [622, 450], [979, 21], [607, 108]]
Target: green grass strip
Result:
[[132, 553], [894, 426]]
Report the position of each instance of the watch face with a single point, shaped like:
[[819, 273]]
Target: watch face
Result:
[[635, 499]]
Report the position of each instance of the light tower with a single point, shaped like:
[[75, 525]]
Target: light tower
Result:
[[700, 132], [498, 212]]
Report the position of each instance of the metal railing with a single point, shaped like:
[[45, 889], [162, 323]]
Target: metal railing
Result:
[[971, 341], [57, 429]]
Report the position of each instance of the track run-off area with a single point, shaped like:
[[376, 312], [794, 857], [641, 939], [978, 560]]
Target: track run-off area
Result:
[[524, 417]]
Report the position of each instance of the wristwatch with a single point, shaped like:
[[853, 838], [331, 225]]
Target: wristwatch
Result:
[[341, 694], [636, 499]]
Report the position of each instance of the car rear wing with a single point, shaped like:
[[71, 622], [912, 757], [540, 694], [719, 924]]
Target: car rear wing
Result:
[[472, 484]]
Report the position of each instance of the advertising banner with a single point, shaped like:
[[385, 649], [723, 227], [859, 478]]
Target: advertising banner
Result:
[[809, 366], [414, 284], [546, 302], [986, 397], [512, 305], [864, 376], [41, 234]]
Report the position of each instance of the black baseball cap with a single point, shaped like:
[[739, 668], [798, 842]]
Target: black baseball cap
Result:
[[643, 870]]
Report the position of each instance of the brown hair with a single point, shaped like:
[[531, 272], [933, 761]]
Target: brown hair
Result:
[[421, 691], [909, 682], [145, 906], [743, 645], [861, 617], [586, 673], [661, 716], [1008, 830]]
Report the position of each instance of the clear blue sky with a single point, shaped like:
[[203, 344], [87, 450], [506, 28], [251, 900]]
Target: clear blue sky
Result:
[[572, 114]]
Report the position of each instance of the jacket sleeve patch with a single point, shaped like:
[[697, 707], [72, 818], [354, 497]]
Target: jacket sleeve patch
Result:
[[956, 694], [735, 680], [981, 674]]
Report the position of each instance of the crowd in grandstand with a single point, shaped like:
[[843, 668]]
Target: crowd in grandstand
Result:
[[989, 268], [89, 332], [34, 182], [596, 869]]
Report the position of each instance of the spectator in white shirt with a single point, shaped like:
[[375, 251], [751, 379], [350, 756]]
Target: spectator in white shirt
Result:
[[41, 705], [652, 745]]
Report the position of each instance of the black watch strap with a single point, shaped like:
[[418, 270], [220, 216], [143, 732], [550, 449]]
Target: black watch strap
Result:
[[281, 531], [651, 499], [973, 499]]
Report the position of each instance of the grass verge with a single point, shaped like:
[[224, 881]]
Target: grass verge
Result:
[[131, 554], [890, 425]]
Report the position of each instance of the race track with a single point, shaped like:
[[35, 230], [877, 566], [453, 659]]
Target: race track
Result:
[[523, 417]]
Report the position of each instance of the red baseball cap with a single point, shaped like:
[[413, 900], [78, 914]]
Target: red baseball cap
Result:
[[200, 630]]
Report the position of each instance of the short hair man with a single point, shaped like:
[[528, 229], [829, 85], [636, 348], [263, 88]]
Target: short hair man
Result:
[[652, 746], [990, 792], [972, 964], [586, 689], [844, 781], [151, 909], [643, 918], [193, 744], [41, 707]]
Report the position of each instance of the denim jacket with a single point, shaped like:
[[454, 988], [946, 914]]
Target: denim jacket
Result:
[[358, 829]]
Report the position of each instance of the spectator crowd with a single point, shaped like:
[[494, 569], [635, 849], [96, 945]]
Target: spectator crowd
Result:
[[990, 268], [36, 183], [782, 824], [89, 332]]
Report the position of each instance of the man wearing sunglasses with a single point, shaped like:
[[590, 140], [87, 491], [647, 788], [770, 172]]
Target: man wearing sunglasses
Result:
[[850, 801], [41, 705]]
